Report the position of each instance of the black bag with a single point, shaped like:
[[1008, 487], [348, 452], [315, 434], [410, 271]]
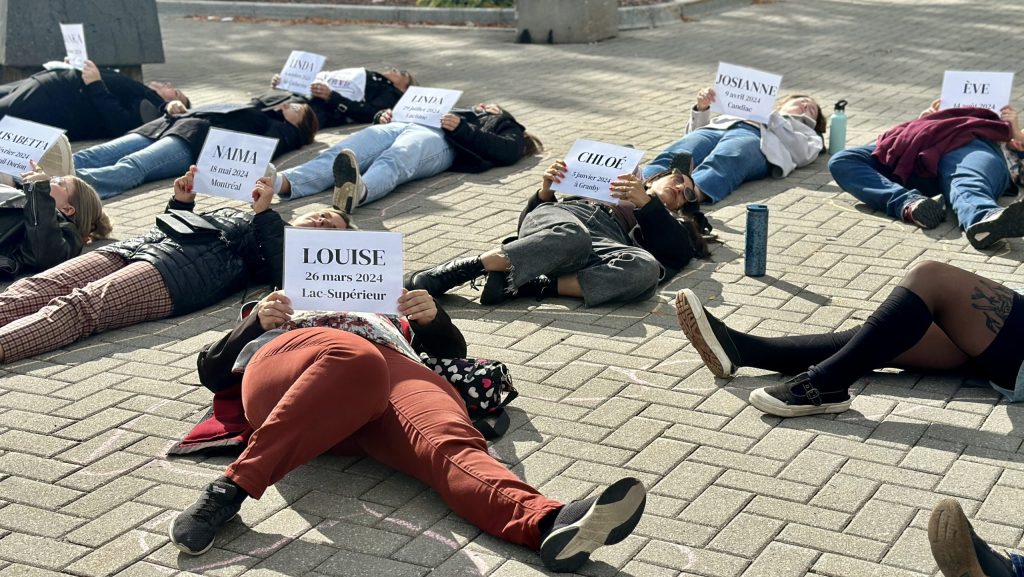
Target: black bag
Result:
[[186, 227], [485, 386]]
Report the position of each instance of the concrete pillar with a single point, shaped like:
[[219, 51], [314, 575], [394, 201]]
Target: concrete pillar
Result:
[[566, 21]]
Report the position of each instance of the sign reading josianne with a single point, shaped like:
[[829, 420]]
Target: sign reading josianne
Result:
[[343, 270], [745, 92], [231, 162], [22, 141]]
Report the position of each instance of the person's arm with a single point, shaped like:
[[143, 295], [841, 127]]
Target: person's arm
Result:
[[502, 145], [117, 118], [554, 174], [216, 359], [432, 328], [802, 142], [184, 198], [700, 113], [48, 240], [268, 230], [669, 239]]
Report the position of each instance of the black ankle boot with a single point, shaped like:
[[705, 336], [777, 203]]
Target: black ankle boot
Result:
[[445, 276], [496, 289]]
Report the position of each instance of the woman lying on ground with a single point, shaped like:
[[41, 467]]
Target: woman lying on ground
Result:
[[729, 150], [371, 163], [353, 384], [150, 277], [167, 146], [352, 95], [939, 318], [585, 249]]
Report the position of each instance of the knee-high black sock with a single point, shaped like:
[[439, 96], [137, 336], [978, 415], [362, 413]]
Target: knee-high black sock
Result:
[[788, 355], [895, 326]]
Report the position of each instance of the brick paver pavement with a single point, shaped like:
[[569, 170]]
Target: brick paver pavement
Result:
[[85, 488]]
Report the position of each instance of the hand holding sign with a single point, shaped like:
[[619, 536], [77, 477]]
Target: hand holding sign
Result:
[[231, 162], [22, 142], [745, 92], [274, 310], [300, 71], [989, 90], [348, 82], [425, 106], [74, 44], [592, 166], [417, 306]]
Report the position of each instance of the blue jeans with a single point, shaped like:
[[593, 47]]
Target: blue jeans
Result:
[[971, 179], [388, 155], [722, 159], [126, 162]]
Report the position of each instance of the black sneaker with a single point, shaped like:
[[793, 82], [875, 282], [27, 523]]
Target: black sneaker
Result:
[[999, 224], [496, 289], [583, 526], [797, 397], [708, 335], [924, 212], [194, 530], [958, 550], [445, 276], [348, 184]]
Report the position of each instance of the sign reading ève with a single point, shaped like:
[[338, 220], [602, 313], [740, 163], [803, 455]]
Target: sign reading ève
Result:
[[348, 82], [74, 44], [231, 162], [343, 270], [745, 92], [425, 106], [22, 141], [591, 167], [989, 90], [299, 72]]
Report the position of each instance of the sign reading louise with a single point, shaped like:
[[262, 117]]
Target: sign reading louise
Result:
[[22, 141], [425, 106], [74, 44], [745, 92], [343, 270], [989, 90], [592, 166], [299, 72], [231, 162]]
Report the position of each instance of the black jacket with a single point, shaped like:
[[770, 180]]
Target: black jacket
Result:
[[104, 109], [441, 338], [256, 117], [34, 235], [249, 250]]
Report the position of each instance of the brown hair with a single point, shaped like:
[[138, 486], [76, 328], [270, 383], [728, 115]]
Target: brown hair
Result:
[[531, 144], [89, 219], [820, 122], [309, 124]]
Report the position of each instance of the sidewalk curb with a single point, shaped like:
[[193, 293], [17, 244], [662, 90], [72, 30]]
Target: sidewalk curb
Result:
[[630, 17]]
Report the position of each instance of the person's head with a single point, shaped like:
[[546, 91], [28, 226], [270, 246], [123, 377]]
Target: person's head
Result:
[[531, 144], [674, 187], [324, 218], [803, 105], [79, 202], [169, 92], [302, 117], [402, 79]]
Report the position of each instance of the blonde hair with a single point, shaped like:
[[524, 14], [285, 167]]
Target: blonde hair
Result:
[[89, 219]]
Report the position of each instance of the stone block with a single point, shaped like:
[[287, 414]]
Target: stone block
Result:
[[566, 21]]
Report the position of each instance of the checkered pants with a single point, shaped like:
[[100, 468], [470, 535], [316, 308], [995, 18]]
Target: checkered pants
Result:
[[88, 294]]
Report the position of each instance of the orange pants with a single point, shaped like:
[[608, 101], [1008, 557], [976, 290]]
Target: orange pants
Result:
[[310, 391]]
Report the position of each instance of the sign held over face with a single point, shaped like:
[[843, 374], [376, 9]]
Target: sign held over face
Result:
[[343, 270], [299, 72], [591, 167], [22, 141], [74, 44], [989, 90], [231, 162], [348, 82], [745, 92], [425, 106]]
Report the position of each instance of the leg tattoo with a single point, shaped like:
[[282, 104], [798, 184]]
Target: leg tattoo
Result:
[[994, 301]]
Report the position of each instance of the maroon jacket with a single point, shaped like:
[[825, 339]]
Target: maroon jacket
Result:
[[915, 147]]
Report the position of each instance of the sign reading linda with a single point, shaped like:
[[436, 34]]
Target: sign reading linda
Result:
[[231, 162], [343, 270], [22, 141], [299, 72], [425, 106], [592, 166], [74, 44], [745, 92], [989, 90], [348, 82]]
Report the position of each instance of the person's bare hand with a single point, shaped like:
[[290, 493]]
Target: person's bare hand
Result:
[[275, 80], [183, 186], [630, 187], [35, 174], [1009, 114], [704, 99], [176, 107], [417, 306], [450, 121], [262, 194], [931, 109], [274, 310], [90, 73], [320, 90], [553, 175], [385, 117]]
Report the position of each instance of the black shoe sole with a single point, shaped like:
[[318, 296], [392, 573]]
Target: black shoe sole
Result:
[[928, 214], [1009, 224], [346, 181], [611, 518]]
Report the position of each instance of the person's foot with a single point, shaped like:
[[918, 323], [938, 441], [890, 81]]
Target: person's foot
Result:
[[582, 526], [348, 184], [998, 224], [797, 397], [924, 212], [445, 276], [708, 335], [958, 550], [194, 529], [496, 289]]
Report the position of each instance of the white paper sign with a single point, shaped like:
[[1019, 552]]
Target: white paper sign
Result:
[[745, 92], [591, 167], [989, 90], [425, 106], [348, 82], [74, 44], [343, 270], [22, 141], [299, 72], [231, 162]]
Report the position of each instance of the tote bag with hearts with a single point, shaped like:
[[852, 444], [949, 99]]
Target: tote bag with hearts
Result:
[[485, 387]]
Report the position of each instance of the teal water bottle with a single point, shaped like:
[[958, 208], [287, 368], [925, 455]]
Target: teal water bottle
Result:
[[837, 128]]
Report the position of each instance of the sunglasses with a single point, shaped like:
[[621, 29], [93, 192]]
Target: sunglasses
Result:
[[679, 179]]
